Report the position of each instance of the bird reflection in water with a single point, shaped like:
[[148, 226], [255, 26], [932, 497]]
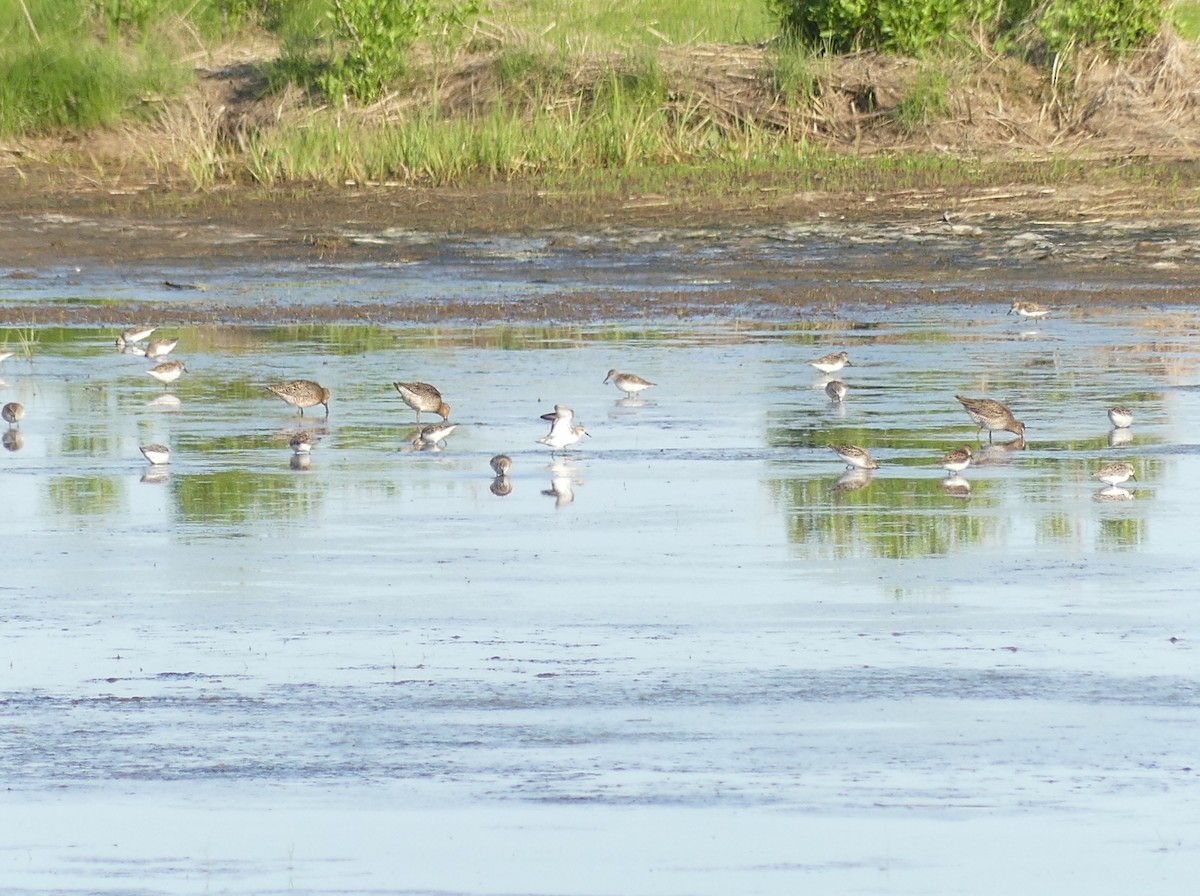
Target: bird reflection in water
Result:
[[562, 484], [853, 480]]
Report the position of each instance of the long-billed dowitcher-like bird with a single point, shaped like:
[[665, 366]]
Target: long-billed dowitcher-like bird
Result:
[[832, 362], [167, 372], [629, 383], [992, 416], [423, 397], [1115, 474], [156, 454], [1120, 417], [855, 457], [13, 413], [302, 394]]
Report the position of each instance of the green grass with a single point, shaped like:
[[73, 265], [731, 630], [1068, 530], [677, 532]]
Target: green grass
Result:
[[62, 70], [584, 26]]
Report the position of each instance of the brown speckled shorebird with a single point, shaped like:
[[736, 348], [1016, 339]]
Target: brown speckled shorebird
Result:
[[302, 394], [423, 397], [992, 416], [167, 372], [13, 413], [629, 383]]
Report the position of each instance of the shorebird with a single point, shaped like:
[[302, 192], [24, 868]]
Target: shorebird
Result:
[[301, 442], [167, 372], [954, 462], [156, 454], [836, 390], [855, 457], [560, 413], [562, 436], [629, 383], [1115, 474], [992, 416], [1029, 309], [302, 394], [160, 348], [134, 334], [501, 464], [433, 435], [1120, 417], [423, 397], [832, 363], [13, 413]]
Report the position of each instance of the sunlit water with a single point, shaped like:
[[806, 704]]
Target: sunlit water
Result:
[[687, 656]]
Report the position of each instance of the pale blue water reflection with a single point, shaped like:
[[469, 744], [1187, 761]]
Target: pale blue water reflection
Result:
[[723, 466]]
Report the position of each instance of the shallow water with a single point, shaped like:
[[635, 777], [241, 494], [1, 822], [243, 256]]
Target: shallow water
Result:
[[689, 656]]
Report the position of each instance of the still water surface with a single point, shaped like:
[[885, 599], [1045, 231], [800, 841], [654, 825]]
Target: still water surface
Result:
[[689, 655]]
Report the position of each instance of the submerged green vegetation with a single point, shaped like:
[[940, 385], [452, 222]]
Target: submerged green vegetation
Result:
[[446, 91]]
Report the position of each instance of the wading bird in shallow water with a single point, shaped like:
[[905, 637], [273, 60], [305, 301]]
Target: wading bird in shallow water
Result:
[[433, 435], [1115, 474], [1120, 417], [992, 416], [629, 383], [301, 442], [160, 348], [501, 464], [423, 397], [156, 454], [836, 390], [1029, 309], [855, 457], [134, 334], [167, 372], [302, 394], [13, 413], [832, 363], [562, 437], [956, 461]]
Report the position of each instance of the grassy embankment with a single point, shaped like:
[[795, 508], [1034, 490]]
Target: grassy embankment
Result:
[[569, 95]]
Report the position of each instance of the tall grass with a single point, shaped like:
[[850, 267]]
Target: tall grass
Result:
[[584, 26], [66, 68]]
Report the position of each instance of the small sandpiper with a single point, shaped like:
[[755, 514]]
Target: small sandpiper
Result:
[[1029, 309], [301, 442], [302, 394], [855, 457], [954, 462], [629, 383], [156, 454], [832, 363], [167, 372], [423, 397], [836, 390], [501, 464], [1115, 474], [561, 413], [433, 435], [1120, 417], [992, 416], [134, 334], [160, 348], [13, 413], [562, 437]]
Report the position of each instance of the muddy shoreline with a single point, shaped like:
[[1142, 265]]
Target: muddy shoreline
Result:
[[153, 230]]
